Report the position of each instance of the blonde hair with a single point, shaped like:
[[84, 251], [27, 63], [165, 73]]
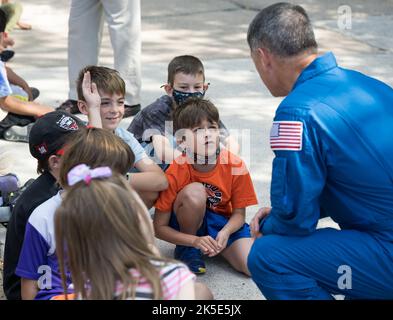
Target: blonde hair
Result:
[[96, 147], [102, 230]]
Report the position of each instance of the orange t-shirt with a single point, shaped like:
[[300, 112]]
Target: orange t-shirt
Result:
[[228, 185]]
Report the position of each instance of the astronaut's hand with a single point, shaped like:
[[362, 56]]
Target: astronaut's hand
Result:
[[254, 224]]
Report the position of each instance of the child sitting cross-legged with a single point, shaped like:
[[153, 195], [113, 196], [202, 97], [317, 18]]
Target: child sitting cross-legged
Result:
[[203, 209]]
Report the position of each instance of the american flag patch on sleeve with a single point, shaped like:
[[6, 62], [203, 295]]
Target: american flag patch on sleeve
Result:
[[286, 135]]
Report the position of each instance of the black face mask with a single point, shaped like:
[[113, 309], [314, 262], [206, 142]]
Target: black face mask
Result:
[[180, 96]]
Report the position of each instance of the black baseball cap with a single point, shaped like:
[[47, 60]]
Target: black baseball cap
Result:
[[49, 133]]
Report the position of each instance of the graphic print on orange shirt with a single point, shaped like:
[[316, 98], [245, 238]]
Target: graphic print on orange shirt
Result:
[[214, 195]]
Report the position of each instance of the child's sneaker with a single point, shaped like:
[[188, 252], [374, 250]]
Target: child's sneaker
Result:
[[192, 257], [6, 55], [18, 133], [35, 92]]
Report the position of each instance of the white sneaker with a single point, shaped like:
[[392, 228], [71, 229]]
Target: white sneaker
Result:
[[18, 133]]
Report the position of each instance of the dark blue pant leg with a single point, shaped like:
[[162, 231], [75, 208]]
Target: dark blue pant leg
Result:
[[355, 264]]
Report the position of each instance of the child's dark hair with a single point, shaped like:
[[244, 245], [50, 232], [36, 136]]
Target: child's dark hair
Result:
[[192, 112], [184, 64], [43, 163], [107, 80], [3, 20]]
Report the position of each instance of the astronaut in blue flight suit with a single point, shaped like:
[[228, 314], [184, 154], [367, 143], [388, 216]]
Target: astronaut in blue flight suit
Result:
[[333, 142]]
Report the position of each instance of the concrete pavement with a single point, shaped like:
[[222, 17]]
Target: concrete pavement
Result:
[[215, 31]]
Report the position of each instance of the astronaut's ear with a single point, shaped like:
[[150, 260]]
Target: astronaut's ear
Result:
[[264, 56]]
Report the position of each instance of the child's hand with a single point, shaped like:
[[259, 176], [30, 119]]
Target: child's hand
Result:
[[222, 239], [27, 89], [207, 245], [90, 92]]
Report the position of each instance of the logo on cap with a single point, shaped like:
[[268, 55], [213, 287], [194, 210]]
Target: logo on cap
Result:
[[67, 123], [42, 148]]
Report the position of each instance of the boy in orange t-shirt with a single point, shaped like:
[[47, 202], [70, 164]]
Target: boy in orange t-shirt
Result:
[[203, 209]]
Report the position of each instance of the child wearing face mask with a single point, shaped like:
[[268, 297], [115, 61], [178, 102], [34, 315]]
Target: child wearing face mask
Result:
[[152, 126]]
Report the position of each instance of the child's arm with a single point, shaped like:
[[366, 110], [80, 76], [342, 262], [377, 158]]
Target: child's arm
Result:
[[92, 104], [33, 255], [187, 291], [163, 149], [147, 165], [26, 108], [150, 177], [234, 223], [148, 181], [13, 78], [29, 289], [164, 232]]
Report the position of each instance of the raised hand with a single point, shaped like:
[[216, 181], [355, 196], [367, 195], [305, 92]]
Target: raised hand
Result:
[[90, 92]]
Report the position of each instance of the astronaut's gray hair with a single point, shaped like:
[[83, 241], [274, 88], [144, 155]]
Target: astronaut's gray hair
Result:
[[282, 28]]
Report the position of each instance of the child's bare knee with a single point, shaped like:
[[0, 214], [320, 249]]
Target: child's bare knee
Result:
[[195, 194]]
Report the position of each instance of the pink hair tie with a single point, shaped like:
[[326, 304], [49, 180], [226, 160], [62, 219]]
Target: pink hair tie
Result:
[[83, 172], [87, 179]]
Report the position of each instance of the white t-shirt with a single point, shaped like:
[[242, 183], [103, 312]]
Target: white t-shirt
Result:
[[135, 146], [5, 89]]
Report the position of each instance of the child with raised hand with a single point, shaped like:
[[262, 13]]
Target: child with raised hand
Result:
[[101, 93], [105, 235], [151, 126], [203, 210]]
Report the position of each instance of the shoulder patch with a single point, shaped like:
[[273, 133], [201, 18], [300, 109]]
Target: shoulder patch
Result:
[[286, 135]]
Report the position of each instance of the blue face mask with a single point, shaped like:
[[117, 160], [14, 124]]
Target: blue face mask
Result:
[[180, 96]]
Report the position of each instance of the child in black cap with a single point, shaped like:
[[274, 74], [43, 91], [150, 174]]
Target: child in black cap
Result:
[[47, 137]]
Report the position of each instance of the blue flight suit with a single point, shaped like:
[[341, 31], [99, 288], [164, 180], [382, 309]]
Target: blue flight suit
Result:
[[342, 168]]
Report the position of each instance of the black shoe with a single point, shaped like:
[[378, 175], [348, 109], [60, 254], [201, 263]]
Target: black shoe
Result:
[[34, 92], [6, 55], [130, 111], [70, 106]]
